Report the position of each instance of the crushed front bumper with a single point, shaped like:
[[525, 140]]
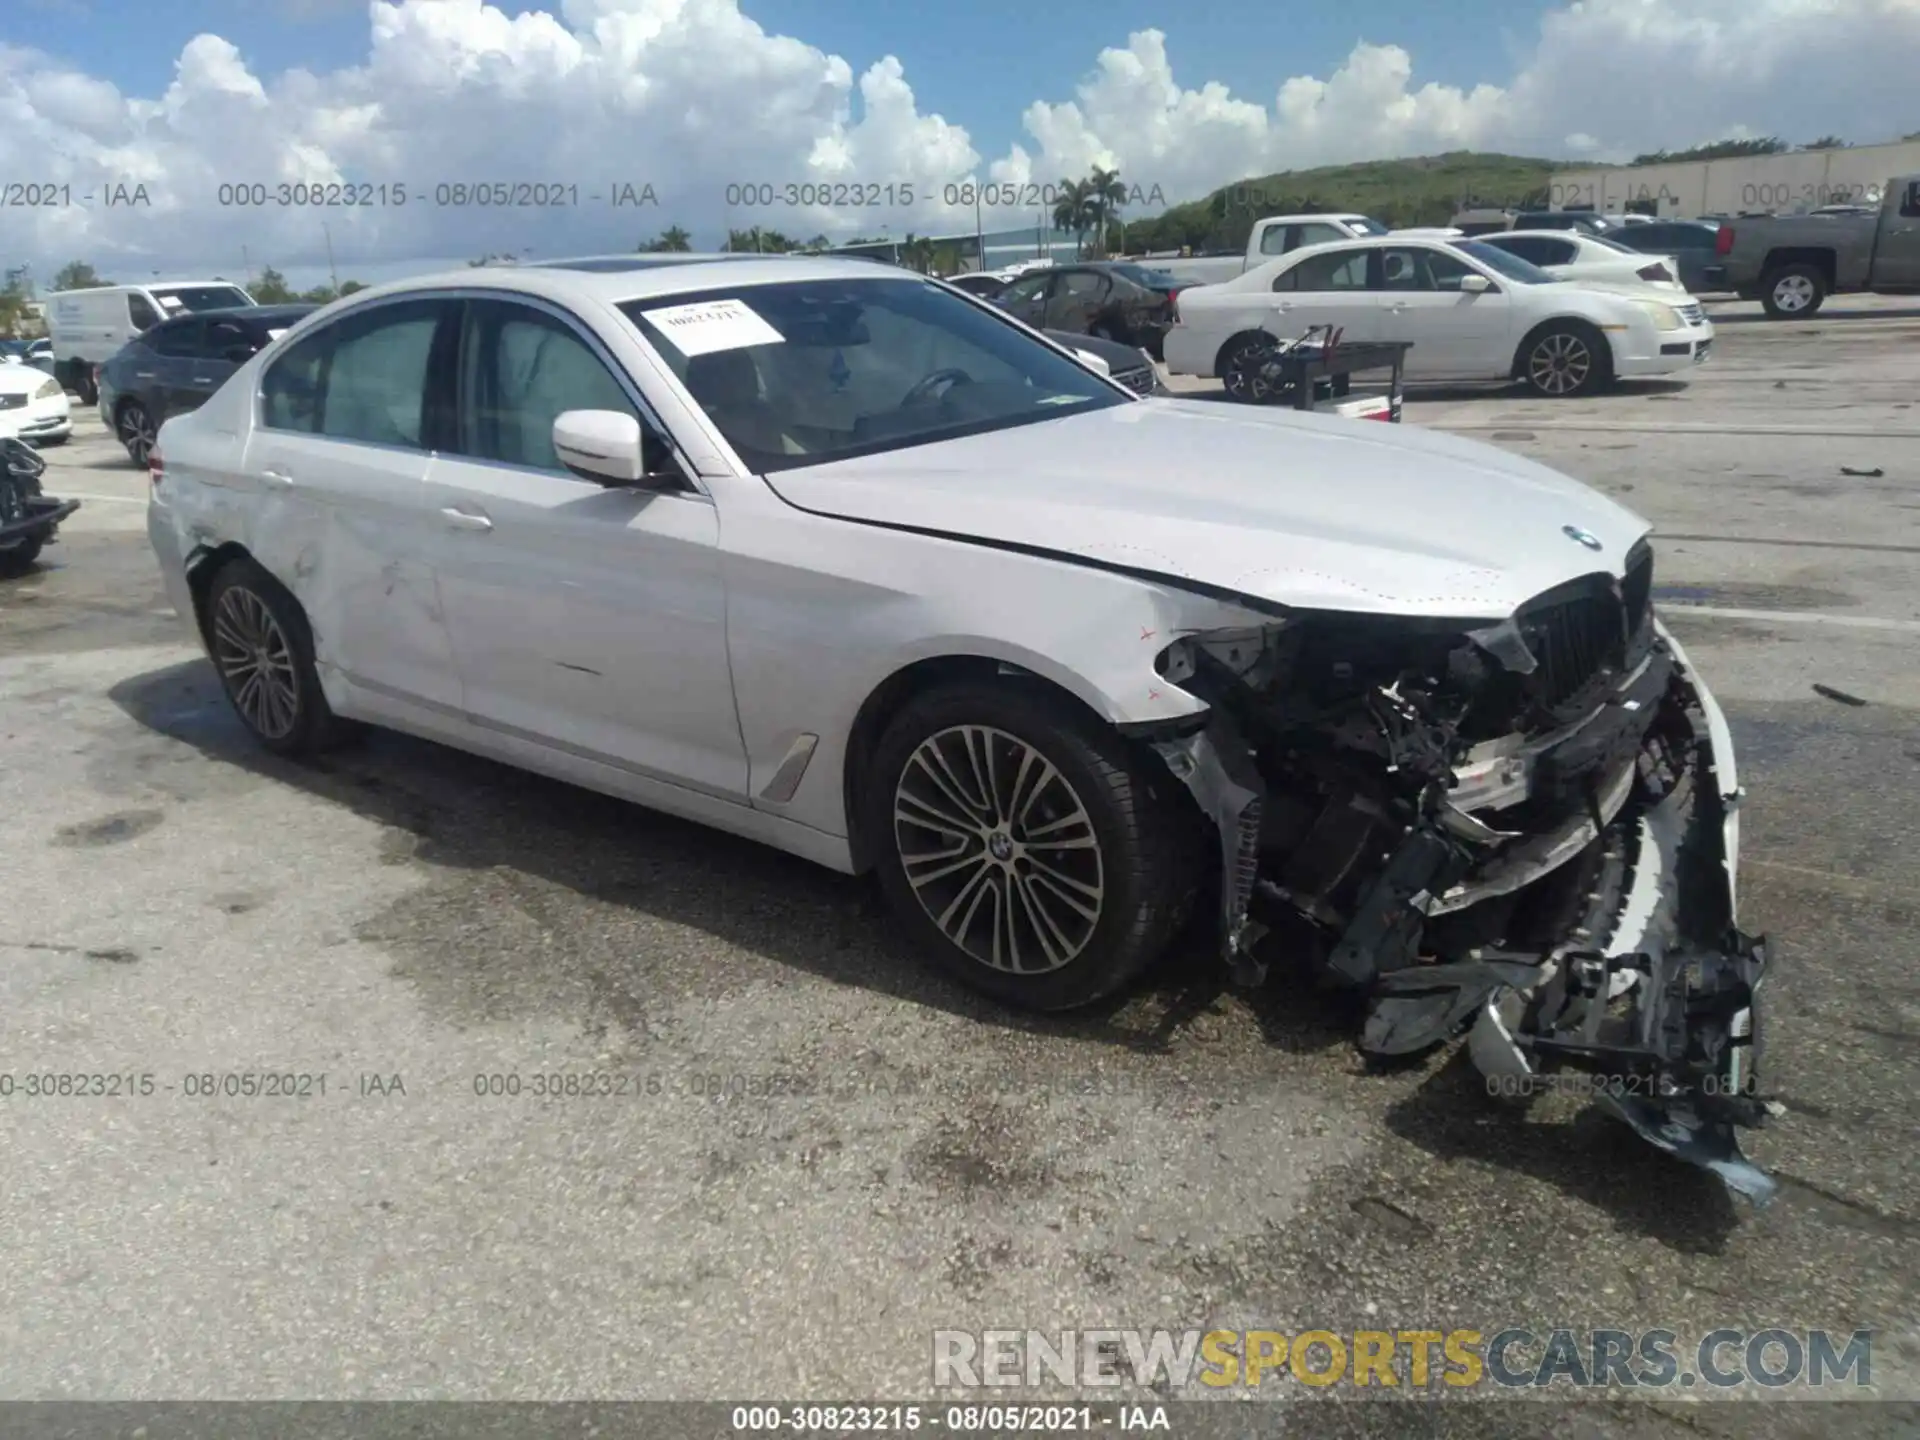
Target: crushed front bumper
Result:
[[31, 516], [1651, 996]]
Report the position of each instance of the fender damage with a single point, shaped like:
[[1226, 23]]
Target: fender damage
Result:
[[1524, 833]]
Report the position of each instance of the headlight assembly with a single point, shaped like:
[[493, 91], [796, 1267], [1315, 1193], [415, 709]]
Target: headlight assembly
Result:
[[1665, 317]]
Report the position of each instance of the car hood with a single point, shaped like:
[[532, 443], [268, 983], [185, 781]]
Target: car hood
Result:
[[18, 377], [1296, 509]]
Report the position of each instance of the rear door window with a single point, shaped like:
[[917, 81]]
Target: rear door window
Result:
[[361, 378], [179, 340]]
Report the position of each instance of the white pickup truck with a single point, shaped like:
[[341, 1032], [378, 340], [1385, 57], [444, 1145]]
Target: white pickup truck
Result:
[[1269, 239]]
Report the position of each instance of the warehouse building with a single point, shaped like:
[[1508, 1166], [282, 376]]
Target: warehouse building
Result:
[[1001, 247], [1794, 182]]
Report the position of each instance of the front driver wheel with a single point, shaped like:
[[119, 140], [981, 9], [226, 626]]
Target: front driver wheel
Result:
[[1566, 360], [263, 650], [1030, 850]]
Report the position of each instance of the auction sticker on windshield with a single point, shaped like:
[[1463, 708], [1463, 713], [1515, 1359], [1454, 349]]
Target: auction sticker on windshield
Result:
[[713, 325]]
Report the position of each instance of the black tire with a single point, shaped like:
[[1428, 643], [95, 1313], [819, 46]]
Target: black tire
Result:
[[1144, 828], [1565, 360], [83, 385], [244, 603], [1793, 292], [17, 559], [133, 427], [1239, 385]]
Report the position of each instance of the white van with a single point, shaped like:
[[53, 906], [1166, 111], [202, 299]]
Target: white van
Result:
[[88, 327]]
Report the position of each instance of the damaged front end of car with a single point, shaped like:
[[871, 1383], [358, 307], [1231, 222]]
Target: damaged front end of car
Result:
[[1525, 833]]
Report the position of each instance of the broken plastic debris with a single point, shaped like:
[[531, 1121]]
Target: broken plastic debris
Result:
[[1842, 696]]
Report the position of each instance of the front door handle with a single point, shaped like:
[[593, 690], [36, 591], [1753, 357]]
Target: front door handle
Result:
[[458, 519], [1398, 306], [277, 477]]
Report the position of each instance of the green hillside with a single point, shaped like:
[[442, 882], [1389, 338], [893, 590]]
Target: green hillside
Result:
[[1422, 191]]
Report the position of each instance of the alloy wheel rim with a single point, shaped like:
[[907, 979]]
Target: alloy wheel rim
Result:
[[1561, 364], [256, 662], [999, 850], [136, 433], [1793, 293]]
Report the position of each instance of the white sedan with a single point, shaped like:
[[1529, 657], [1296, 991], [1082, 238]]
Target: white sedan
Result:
[[841, 560], [33, 406], [1471, 312], [1569, 255]]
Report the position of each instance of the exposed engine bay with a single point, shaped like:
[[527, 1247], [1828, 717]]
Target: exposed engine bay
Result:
[[1519, 832]]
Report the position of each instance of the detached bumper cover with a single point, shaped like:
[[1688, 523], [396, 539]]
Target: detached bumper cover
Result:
[[1645, 988], [31, 516]]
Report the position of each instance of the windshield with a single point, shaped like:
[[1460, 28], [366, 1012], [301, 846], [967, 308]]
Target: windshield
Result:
[[809, 371], [177, 299], [1501, 263], [1152, 279], [1366, 225]]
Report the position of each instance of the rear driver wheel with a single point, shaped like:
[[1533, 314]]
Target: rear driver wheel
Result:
[[135, 429], [263, 650], [1030, 850]]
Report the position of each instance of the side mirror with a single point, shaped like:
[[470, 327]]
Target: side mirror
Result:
[[612, 448], [1911, 205], [1093, 362], [1475, 285]]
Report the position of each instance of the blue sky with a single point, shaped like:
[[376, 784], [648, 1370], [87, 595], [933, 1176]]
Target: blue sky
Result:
[[978, 63]]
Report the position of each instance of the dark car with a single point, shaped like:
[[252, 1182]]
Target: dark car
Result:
[[178, 364], [1113, 300], [1128, 364], [984, 284], [1688, 241]]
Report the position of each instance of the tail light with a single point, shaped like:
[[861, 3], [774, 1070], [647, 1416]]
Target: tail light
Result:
[[1723, 242], [156, 470], [1654, 272], [1173, 306]]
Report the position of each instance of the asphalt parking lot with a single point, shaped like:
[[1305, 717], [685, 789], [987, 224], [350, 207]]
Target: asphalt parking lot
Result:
[[832, 1151]]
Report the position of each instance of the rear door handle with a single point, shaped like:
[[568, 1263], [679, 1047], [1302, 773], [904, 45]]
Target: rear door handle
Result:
[[458, 519], [277, 477]]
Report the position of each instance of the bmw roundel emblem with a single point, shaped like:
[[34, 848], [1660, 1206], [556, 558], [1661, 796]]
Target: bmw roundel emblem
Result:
[[1585, 537]]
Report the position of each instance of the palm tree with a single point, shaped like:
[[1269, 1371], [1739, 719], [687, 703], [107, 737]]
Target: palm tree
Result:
[[673, 239], [1105, 196], [917, 253], [1073, 211]]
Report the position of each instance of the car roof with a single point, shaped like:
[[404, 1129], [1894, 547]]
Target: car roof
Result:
[[1497, 236], [575, 280]]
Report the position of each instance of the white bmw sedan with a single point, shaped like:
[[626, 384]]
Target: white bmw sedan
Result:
[[1471, 312], [839, 559]]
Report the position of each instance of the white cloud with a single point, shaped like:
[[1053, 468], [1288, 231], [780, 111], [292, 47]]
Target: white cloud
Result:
[[689, 95]]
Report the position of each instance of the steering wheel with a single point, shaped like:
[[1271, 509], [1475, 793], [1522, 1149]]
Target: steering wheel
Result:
[[924, 388]]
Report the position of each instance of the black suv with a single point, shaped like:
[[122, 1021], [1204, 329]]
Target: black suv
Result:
[[178, 364]]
